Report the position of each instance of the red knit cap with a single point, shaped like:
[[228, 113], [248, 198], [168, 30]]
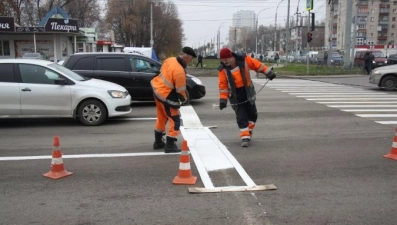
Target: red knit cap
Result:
[[225, 53]]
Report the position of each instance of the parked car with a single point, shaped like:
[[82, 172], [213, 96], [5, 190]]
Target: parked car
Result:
[[37, 88], [336, 58], [385, 77], [132, 71], [35, 55], [392, 59], [380, 59]]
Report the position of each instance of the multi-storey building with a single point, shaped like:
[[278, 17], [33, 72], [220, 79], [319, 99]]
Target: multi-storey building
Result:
[[375, 23], [244, 18]]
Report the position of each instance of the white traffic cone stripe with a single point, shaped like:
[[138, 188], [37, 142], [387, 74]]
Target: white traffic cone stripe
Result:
[[56, 161], [184, 166]]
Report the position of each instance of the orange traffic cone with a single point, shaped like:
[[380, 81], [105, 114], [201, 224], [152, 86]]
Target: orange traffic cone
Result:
[[184, 174], [57, 169], [393, 152]]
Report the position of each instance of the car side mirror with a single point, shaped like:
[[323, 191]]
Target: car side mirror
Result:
[[60, 81]]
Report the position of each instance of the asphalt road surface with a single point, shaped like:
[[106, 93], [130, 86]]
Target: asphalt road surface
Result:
[[320, 142]]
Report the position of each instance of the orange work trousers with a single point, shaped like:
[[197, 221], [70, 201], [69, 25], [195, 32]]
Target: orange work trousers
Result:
[[165, 114]]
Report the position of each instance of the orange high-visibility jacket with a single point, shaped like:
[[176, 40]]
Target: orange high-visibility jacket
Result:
[[170, 85], [244, 64]]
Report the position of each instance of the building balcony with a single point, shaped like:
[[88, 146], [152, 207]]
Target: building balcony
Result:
[[362, 13], [384, 5], [362, 3], [382, 14], [382, 37]]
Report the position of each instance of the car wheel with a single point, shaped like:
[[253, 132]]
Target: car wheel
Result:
[[91, 113], [389, 83]]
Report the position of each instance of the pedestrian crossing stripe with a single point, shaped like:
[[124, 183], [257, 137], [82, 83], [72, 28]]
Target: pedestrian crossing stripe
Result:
[[375, 105]]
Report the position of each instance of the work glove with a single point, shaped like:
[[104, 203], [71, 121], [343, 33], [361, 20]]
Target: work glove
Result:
[[222, 103], [270, 75]]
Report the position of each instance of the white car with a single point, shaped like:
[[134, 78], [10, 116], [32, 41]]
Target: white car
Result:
[[385, 77], [43, 89]]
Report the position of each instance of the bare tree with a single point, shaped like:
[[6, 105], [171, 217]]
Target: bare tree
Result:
[[131, 24]]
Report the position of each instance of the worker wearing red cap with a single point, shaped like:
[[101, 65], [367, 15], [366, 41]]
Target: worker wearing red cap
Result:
[[169, 89], [235, 85]]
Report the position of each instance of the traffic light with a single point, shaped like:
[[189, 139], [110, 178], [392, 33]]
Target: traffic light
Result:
[[309, 37]]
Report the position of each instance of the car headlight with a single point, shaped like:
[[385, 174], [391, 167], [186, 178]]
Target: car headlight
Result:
[[386, 61], [332, 60], [196, 80], [117, 94], [373, 62], [376, 72]]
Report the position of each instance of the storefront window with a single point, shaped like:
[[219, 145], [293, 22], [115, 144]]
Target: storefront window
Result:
[[4, 48]]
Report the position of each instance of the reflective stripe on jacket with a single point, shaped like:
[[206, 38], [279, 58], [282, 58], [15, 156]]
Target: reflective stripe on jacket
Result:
[[170, 85]]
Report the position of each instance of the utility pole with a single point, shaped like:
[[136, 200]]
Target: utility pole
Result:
[[287, 39], [354, 40], [330, 32], [307, 43], [348, 32], [151, 25]]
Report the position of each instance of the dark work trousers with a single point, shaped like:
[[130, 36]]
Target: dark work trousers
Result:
[[200, 62], [246, 111]]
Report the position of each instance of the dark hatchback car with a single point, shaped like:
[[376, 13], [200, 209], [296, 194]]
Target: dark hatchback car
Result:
[[392, 59], [132, 71]]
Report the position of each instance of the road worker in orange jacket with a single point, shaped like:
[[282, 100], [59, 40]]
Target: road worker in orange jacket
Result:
[[235, 85], [169, 89]]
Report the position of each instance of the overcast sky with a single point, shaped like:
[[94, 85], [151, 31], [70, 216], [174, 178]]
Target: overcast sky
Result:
[[202, 18]]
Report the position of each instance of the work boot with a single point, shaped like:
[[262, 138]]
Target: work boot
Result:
[[245, 142], [158, 140], [170, 145]]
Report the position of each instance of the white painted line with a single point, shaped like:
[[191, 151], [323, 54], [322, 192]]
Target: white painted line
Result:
[[208, 152], [330, 99], [369, 110], [386, 122], [379, 102], [340, 96], [362, 106], [318, 89], [376, 115], [336, 93], [106, 155], [123, 118]]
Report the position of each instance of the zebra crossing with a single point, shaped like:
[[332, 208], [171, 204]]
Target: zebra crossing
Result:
[[381, 107]]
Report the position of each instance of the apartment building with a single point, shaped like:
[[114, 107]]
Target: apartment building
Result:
[[375, 23], [244, 18]]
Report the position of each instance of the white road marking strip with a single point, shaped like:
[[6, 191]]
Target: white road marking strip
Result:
[[369, 110], [206, 148], [379, 102], [340, 96], [362, 106], [376, 115], [386, 122], [330, 99], [338, 93], [106, 155], [342, 91], [123, 118]]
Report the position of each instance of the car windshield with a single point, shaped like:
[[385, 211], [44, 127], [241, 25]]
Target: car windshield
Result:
[[335, 54], [378, 54], [68, 72], [303, 53]]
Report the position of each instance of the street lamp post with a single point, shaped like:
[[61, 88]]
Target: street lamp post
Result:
[[275, 27], [256, 27], [218, 46]]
